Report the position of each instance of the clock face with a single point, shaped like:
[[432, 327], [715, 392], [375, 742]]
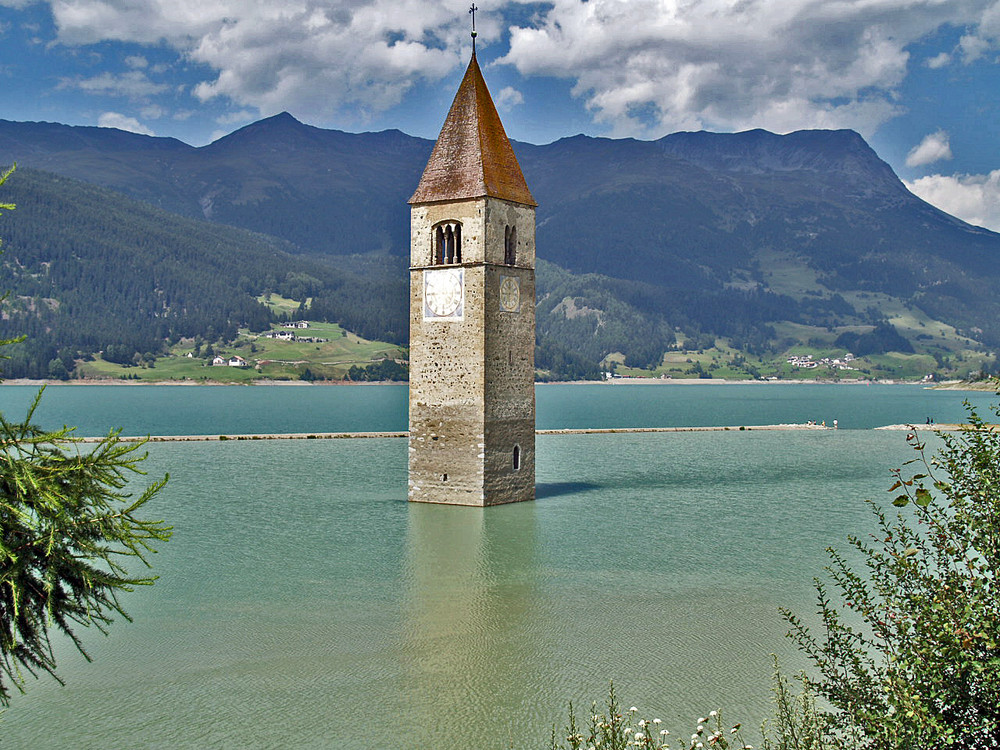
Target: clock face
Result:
[[443, 294], [510, 294]]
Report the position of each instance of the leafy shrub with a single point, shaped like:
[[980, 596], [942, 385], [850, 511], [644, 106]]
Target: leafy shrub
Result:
[[914, 659]]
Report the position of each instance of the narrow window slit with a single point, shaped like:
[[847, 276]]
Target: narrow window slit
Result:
[[510, 245]]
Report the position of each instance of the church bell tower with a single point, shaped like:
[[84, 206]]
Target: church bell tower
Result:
[[472, 313]]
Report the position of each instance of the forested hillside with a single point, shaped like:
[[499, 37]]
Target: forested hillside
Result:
[[88, 270]]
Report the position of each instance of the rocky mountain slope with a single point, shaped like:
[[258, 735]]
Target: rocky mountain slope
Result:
[[763, 239]]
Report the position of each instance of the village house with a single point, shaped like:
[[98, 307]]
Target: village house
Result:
[[805, 361], [289, 336], [279, 335]]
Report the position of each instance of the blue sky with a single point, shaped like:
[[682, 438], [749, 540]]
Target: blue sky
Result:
[[918, 78]]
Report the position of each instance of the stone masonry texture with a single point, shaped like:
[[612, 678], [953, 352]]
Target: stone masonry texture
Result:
[[472, 397]]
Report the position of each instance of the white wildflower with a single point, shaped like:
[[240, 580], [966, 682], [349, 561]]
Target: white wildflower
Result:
[[640, 736], [633, 709], [714, 713]]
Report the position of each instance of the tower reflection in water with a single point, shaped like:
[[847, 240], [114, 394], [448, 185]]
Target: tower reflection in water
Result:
[[474, 630]]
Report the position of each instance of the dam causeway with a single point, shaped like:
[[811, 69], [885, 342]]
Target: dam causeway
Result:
[[576, 431]]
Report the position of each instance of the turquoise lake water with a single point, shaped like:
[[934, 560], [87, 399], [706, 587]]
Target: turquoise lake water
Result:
[[205, 410], [304, 603]]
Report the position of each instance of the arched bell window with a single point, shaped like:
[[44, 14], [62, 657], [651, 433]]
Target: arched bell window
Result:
[[516, 458], [447, 243], [510, 245]]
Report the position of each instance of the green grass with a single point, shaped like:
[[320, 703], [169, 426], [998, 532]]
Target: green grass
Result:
[[279, 304], [331, 359], [787, 273], [725, 362], [270, 358], [169, 368]]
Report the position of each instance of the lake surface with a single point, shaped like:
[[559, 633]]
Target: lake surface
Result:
[[304, 603], [206, 410]]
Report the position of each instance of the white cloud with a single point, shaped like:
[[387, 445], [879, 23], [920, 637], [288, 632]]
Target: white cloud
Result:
[[122, 122], [938, 61], [934, 147], [314, 57], [984, 36], [973, 47], [136, 61], [508, 97], [153, 112], [647, 67], [974, 198], [315, 61], [230, 118], [133, 84], [643, 67]]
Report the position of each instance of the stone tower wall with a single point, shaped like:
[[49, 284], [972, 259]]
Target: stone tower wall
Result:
[[425, 216], [472, 380], [510, 358], [447, 377]]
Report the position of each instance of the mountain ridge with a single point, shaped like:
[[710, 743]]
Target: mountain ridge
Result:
[[792, 227]]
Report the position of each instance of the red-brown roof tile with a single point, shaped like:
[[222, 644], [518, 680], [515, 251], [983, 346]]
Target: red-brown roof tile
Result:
[[472, 157]]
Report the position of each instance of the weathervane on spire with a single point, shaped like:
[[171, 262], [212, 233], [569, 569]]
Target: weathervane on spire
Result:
[[472, 12]]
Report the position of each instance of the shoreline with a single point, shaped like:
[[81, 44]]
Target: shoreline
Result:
[[193, 383], [945, 385], [723, 381]]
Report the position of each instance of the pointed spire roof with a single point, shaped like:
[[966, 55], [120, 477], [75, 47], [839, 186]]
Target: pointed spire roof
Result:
[[472, 157]]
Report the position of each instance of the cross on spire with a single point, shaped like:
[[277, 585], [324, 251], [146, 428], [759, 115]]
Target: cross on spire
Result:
[[472, 12]]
